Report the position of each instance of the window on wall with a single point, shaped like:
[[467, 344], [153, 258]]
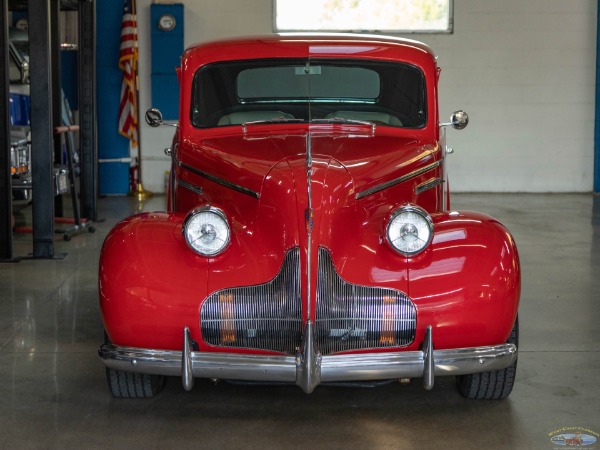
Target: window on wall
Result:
[[391, 16]]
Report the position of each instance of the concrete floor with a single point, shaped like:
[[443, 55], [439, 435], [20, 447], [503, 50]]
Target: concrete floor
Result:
[[53, 391]]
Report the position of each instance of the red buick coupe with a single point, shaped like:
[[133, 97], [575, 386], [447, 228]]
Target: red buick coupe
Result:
[[309, 237]]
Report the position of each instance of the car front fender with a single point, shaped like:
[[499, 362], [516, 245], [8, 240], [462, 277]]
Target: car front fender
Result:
[[467, 283], [146, 273]]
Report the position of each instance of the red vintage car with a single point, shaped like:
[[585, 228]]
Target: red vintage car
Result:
[[309, 237]]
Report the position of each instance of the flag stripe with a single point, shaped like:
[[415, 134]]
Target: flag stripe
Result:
[[128, 57]]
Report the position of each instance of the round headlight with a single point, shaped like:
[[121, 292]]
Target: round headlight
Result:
[[206, 231], [410, 230]]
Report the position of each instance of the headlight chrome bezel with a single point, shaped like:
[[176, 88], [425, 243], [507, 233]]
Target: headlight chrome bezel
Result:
[[196, 215], [426, 223]]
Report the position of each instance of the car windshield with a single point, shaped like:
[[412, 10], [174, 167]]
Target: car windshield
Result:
[[309, 90]]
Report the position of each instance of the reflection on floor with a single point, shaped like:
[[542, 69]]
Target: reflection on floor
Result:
[[53, 390]]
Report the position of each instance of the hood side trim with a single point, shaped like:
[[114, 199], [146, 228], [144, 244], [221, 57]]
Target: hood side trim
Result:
[[220, 181], [381, 187], [190, 187]]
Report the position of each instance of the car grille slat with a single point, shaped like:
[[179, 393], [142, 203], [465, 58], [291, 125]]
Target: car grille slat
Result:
[[262, 317], [354, 317]]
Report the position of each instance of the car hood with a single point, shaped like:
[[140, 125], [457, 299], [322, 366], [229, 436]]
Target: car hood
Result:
[[278, 213], [371, 159]]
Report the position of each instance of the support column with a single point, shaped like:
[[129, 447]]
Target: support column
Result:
[[42, 143], [88, 143], [5, 176], [56, 104]]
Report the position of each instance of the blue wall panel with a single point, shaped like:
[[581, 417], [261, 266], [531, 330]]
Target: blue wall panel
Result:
[[113, 176], [167, 47]]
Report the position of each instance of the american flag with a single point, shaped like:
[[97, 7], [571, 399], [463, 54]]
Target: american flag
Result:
[[128, 57]]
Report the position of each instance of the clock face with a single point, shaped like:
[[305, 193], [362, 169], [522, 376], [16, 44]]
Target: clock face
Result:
[[166, 22]]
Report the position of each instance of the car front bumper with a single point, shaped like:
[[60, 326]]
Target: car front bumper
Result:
[[308, 368]]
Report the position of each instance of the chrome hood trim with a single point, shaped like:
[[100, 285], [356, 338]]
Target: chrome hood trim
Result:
[[396, 181], [222, 182]]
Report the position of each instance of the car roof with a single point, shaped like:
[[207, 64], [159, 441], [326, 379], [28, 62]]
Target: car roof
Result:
[[303, 45]]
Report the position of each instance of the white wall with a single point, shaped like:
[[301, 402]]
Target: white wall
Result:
[[523, 70]]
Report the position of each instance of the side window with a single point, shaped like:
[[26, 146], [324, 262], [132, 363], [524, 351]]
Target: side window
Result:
[[388, 16]]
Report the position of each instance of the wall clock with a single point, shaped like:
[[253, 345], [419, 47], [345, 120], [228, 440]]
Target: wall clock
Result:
[[166, 22]]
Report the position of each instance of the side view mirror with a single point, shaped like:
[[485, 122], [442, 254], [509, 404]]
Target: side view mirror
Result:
[[154, 117], [458, 120]]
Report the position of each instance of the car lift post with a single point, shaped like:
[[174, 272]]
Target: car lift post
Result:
[[6, 254], [88, 144], [42, 142]]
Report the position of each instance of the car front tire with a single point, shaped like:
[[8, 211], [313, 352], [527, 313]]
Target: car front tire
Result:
[[492, 385], [133, 385]]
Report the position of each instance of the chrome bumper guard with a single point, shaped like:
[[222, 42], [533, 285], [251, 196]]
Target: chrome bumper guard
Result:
[[308, 368]]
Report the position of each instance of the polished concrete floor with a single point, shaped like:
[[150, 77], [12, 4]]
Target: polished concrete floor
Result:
[[53, 391]]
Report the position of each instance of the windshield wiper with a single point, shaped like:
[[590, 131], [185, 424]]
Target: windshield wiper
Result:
[[273, 120], [343, 120]]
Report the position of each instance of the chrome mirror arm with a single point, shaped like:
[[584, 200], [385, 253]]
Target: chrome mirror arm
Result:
[[154, 118], [458, 120]]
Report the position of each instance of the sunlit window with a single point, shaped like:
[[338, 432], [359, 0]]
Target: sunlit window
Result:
[[392, 16]]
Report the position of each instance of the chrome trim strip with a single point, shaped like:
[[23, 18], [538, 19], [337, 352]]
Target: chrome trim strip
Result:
[[309, 226], [187, 375], [274, 120], [401, 179], [443, 148], [189, 186], [381, 366], [334, 368], [343, 121], [429, 361], [430, 184], [204, 364], [220, 181], [308, 361]]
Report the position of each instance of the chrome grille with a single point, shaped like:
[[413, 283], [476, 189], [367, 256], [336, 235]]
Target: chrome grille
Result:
[[353, 317], [264, 317]]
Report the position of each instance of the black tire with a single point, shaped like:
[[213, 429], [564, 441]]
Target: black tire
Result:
[[133, 385], [492, 385]]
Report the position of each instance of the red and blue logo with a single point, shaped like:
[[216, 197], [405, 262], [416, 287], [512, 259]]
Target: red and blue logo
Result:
[[574, 437]]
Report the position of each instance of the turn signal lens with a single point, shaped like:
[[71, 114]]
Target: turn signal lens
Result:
[[410, 230], [227, 318], [388, 321]]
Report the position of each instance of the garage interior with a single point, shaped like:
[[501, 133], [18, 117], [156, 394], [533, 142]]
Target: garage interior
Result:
[[524, 71]]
